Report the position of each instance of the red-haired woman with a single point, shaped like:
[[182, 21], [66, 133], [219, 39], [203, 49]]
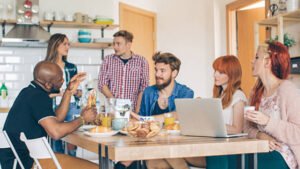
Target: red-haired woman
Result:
[[228, 74], [227, 86], [277, 108]]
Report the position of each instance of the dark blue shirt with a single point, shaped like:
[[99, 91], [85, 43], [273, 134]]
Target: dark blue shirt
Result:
[[150, 97], [31, 106]]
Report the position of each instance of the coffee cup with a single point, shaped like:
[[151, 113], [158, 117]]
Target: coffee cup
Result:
[[78, 17], [58, 16], [48, 16], [248, 108], [85, 18], [119, 123], [69, 17]]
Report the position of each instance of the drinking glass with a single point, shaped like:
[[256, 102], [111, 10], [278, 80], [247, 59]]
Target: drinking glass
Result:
[[110, 105], [169, 119]]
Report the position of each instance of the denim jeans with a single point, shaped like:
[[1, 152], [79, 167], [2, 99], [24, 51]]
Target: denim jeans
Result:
[[57, 145]]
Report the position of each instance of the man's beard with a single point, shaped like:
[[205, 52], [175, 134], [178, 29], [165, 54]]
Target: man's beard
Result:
[[164, 85]]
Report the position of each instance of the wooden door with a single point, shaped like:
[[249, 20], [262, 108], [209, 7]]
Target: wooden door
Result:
[[245, 43], [142, 24]]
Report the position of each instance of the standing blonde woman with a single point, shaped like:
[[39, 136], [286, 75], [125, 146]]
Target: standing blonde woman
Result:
[[57, 52], [277, 108]]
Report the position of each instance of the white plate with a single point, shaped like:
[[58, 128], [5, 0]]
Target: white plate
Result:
[[123, 132], [106, 134], [86, 127], [173, 132]]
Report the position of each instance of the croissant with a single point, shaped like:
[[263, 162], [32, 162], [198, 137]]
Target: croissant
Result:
[[91, 102]]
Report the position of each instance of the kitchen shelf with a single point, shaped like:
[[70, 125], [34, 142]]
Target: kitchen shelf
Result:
[[91, 45], [274, 21], [64, 24], [277, 21], [9, 21]]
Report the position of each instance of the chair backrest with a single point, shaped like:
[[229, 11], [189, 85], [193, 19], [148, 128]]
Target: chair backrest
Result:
[[39, 149], [6, 143]]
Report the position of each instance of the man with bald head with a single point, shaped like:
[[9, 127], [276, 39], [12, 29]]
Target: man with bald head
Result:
[[32, 113]]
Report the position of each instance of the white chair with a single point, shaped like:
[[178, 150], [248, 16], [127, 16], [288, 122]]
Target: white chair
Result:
[[39, 149], [6, 143]]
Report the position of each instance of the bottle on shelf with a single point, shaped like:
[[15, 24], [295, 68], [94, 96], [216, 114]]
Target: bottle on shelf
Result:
[[3, 96]]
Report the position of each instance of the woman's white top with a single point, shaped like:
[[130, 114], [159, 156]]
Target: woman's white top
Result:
[[228, 112]]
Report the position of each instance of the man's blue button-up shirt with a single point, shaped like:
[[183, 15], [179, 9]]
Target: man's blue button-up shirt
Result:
[[150, 97]]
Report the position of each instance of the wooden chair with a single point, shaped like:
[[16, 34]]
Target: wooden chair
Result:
[[39, 149], [6, 143]]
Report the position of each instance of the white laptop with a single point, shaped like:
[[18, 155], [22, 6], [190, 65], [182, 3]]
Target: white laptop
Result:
[[202, 117]]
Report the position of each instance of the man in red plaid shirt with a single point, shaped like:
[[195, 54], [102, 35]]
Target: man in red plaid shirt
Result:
[[124, 74]]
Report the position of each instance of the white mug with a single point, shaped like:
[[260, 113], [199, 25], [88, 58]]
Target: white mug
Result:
[[48, 16], [247, 108], [58, 16], [69, 17]]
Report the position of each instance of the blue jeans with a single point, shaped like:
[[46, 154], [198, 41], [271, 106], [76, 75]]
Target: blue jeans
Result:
[[57, 145]]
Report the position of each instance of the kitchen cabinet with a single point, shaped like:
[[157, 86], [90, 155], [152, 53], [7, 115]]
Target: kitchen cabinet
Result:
[[278, 21]]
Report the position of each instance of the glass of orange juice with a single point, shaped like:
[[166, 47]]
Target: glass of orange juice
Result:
[[105, 120], [169, 119]]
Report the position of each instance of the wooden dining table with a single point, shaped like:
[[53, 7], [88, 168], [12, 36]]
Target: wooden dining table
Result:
[[125, 148]]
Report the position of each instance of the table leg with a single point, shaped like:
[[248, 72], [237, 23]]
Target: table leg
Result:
[[255, 162], [143, 164], [101, 163], [243, 161], [252, 161], [138, 165], [106, 158]]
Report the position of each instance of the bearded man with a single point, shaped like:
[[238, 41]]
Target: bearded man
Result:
[[159, 98]]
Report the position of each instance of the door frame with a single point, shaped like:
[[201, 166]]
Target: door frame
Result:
[[123, 6], [231, 9]]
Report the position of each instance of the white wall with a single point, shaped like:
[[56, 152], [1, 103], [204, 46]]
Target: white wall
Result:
[[186, 30], [220, 26]]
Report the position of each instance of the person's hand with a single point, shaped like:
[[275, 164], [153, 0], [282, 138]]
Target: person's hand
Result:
[[89, 114], [134, 116], [257, 117], [273, 144], [75, 81]]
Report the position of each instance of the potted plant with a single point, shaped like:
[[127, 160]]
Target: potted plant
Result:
[[287, 40]]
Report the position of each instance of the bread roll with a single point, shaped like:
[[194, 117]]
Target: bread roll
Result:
[[100, 129]]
